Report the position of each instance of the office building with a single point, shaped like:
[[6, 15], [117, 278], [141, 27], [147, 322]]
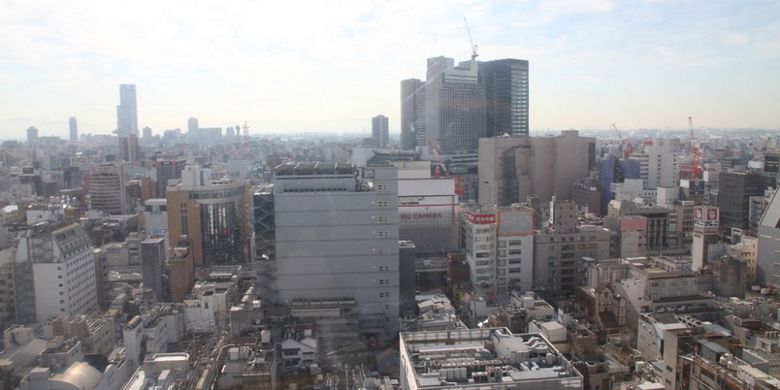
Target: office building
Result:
[[156, 218], [153, 257], [734, 192], [55, 273], [212, 214], [506, 96], [661, 229], [768, 272], [127, 111], [559, 249], [631, 236], [500, 249], [454, 107], [489, 358], [662, 163], [128, 148], [32, 136], [147, 134], [380, 132], [181, 270], [428, 209], [192, 125], [336, 243], [168, 170], [73, 129], [7, 289], [412, 114], [107, 191], [513, 168]]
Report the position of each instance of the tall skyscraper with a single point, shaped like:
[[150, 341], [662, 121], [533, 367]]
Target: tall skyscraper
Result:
[[32, 135], [212, 214], [147, 134], [380, 131], [506, 96], [168, 170], [412, 114], [127, 111], [454, 107], [74, 129]]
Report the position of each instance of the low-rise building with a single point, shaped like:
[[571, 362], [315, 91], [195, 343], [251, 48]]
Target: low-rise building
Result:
[[491, 358]]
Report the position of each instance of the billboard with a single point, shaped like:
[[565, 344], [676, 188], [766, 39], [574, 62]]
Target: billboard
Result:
[[696, 187], [481, 219], [706, 219], [516, 221], [427, 211]]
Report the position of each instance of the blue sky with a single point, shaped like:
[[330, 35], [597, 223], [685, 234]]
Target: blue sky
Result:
[[331, 66]]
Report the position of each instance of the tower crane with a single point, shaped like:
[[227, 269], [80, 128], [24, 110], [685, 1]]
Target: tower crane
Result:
[[696, 170], [474, 54], [624, 144]]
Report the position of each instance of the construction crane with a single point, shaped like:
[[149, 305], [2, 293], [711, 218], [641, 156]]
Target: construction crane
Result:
[[474, 54], [696, 170], [624, 144]]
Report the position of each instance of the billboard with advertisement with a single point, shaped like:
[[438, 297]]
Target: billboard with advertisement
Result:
[[696, 187], [706, 219], [427, 211]]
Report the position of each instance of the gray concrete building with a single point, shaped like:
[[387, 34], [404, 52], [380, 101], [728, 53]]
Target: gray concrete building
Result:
[[153, 256], [336, 244], [768, 270], [454, 107], [168, 170], [380, 131], [513, 168], [107, 188], [412, 114], [559, 249]]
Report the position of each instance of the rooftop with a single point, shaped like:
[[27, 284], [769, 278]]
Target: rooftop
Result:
[[314, 168], [480, 357]]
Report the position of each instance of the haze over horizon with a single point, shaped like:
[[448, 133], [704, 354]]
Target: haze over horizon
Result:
[[296, 67]]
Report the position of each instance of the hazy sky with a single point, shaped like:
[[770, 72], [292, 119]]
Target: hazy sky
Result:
[[330, 66]]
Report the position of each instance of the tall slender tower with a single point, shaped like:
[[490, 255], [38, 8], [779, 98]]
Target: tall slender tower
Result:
[[127, 123], [127, 111], [74, 129], [380, 131], [412, 113]]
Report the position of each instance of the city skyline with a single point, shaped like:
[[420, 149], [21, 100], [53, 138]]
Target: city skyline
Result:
[[645, 65]]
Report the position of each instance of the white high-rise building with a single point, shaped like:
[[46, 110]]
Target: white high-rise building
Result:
[[500, 249], [63, 271], [658, 164], [337, 250]]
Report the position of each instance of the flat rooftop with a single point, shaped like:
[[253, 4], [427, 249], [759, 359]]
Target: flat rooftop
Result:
[[485, 358], [314, 168]]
